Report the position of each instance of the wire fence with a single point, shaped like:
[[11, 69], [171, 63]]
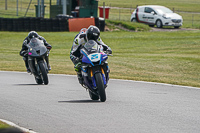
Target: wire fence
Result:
[[27, 8], [20, 8], [190, 19]]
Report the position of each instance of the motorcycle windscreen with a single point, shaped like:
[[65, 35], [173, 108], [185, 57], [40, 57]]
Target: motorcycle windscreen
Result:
[[92, 47], [36, 48]]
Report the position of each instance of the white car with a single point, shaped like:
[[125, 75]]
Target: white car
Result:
[[156, 15]]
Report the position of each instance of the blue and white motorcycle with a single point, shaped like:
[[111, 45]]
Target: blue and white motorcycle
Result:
[[95, 70]]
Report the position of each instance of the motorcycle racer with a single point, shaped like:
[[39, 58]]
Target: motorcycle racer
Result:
[[92, 33], [23, 51]]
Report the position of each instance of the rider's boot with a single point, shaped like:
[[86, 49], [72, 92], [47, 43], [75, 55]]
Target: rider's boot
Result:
[[26, 64], [47, 61], [80, 78]]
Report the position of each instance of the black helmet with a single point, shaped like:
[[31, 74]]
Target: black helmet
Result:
[[92, 33], [32, 34]]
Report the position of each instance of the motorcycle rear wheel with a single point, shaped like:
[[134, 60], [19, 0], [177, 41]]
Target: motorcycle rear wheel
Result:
[[43, 72], [100, 87]]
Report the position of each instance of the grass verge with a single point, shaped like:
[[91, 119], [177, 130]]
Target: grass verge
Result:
[[9, 128], [3, 125], [129, 25], [166, 57]]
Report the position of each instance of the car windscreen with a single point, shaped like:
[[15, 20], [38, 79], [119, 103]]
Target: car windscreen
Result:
[[163, 10]]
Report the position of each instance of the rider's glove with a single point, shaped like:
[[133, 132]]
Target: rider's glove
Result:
[[25, 42], [77, 64], [76, 60], [23, 53], [49, 48], [77, 67], [109, 51]]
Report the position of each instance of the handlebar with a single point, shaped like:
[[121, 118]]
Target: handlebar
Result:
[[109, 54]]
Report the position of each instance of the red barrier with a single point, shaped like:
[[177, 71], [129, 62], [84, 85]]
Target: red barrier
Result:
[[76, 24]]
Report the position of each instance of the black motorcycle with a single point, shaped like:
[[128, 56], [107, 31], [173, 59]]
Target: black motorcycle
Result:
[[37, 52]]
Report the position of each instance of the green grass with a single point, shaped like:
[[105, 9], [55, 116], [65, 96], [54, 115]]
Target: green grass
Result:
[[166, 57], [3, 125], [130, 25], [6, 126]]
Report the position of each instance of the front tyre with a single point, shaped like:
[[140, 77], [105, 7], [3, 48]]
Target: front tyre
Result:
[[43, 72], [100, 87], [133, 20], [159, 23]]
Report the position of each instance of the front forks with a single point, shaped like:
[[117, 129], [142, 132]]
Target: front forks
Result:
[[93, 71], [32, 66]]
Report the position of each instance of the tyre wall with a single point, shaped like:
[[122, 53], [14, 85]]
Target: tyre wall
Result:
[[40, 24]]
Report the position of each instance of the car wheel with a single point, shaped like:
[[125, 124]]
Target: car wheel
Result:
[[133, 20], [159, 23]]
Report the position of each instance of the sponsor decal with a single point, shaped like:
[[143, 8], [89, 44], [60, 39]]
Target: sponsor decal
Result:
[[148, 17], [94, 56], [137, 17], [95, 34]]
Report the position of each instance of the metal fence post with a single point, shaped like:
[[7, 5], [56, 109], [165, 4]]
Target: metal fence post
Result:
[[28, 8], [17, 8], [192, 19], [119, 14], [42, 8], [21, 6], [38, 8], [104, 10], [5, 4], [64, 7]]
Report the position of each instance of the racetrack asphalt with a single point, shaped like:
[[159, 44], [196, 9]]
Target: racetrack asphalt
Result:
[[64, 106]]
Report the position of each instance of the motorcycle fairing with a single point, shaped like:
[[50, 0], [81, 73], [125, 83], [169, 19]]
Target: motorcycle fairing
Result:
[[36, 53], [93, 58], [36, 48]]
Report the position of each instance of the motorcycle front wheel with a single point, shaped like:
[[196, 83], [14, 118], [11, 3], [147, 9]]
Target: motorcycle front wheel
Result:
[[100, 87], [43, 72]]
